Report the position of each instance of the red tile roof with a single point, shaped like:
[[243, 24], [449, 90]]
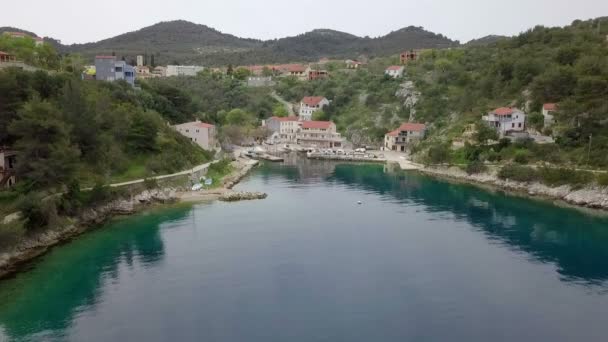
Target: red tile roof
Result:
[[550, 106], [394, 68], [409, 127], [284, 119], [503, 111], [4, 53], [312, 101], [317, 124], [295, 68], [204, 125]]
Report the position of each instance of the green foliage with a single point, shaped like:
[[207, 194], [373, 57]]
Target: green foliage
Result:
[[518, 173], [438, 154], [562, 176], [484, 133], [602, 179], [26, 50], [38, 212], [522, 157], [476, 167], [537, 121]]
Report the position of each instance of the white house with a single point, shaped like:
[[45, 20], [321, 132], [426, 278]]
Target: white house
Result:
[[506, 120], [549, 110], [311, 104], [183, 70], [395, 71], [399, 139], [200, 133], [285, 127]]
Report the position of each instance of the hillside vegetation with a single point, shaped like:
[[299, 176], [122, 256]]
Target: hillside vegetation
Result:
[[182, 42]]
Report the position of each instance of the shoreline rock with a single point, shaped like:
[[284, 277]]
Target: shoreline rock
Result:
[[242, 196], [591, 197]]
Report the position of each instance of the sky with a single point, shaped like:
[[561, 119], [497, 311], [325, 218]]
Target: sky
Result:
[[82, 21]]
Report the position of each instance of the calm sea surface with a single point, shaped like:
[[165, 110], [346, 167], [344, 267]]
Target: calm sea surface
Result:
[[419, 260]]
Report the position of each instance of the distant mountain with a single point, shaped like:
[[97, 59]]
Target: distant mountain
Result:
[[14, 29], [485, 41], [185, 42]]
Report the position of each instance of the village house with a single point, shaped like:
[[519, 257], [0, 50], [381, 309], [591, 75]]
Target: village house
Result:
[[319, 134], [409, 56], [160, 71], [107, 68], [549, 110], [402, 137], [506, 120], [260, 81], [200, 133], [350, 64], [311, 104], [317, 74], [143, 72], [294, 70], [7, 58], [394, 71], [7, 167], [284, 129], [183, 70]]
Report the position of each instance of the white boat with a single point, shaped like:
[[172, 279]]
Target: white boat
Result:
[[197, 187]]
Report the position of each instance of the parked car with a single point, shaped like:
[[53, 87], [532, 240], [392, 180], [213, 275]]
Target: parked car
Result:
[[360, 150]]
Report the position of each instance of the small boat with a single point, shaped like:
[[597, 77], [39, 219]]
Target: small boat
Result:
[[197, 187]]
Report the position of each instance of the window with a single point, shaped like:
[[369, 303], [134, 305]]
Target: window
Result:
[[520, 125], [512, 125]]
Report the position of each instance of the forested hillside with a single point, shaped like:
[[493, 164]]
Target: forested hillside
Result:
[[182, 42], [566, 65]]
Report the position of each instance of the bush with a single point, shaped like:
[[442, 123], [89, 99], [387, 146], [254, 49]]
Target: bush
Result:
[[438, 154], [150, 183], [563, 176], [602, 179], [476, 167], [518, 173], [522, 157], [37, 211]]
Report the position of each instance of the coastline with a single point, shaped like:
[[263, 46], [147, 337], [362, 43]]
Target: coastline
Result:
[[30, 248], [591, 199]]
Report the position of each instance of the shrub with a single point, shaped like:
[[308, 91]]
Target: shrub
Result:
[[563, 176], [522, 157], [438, 154], [37, 211], [518, 173], [476, 167], [150, 183], [602, 179]]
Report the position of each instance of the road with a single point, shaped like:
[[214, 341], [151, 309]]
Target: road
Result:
[[287, 105]]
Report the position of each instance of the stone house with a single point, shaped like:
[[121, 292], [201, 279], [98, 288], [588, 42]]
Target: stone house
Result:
[[200, 133], [183, 70], [8, 161], [311, 104], [402, 137], [506, 120], [409, 56], [548, 112], [285, 127], [319, 134]]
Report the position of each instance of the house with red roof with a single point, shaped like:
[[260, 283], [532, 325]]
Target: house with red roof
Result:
[[353, 64], [549, 110], [311, 104], [506, 120], [200, 133], [395, 71], [319, 134], [402, 137], [7, 57]]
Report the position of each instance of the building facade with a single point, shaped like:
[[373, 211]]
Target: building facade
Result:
[[506, 120], [394, 71], [8, 162], [183, 70], [317, 74], [286, 128], [200, 133], [405, 135], [319, 134], [311, 104], [107, 68], [549, 110], [409, 56]]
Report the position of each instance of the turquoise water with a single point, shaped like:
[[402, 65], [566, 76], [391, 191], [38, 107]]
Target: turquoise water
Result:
[[419, 260]]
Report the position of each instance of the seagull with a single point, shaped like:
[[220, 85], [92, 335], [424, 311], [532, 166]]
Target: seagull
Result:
[[359, 202]]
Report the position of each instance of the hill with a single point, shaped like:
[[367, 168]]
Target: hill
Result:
[[484, 41], [185, 42]]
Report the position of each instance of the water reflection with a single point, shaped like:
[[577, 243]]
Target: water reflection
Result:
[[35, 301], [573, 241]]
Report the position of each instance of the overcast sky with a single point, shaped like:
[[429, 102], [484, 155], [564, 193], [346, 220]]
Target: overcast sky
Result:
[[83, 21]]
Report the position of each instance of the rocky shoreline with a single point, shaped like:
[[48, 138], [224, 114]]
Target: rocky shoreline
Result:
[[591, 197], [29, 249]]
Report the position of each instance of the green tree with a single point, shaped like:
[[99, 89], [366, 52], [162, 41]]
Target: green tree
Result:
[[47, 157], [239, 117], [484, 133]]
